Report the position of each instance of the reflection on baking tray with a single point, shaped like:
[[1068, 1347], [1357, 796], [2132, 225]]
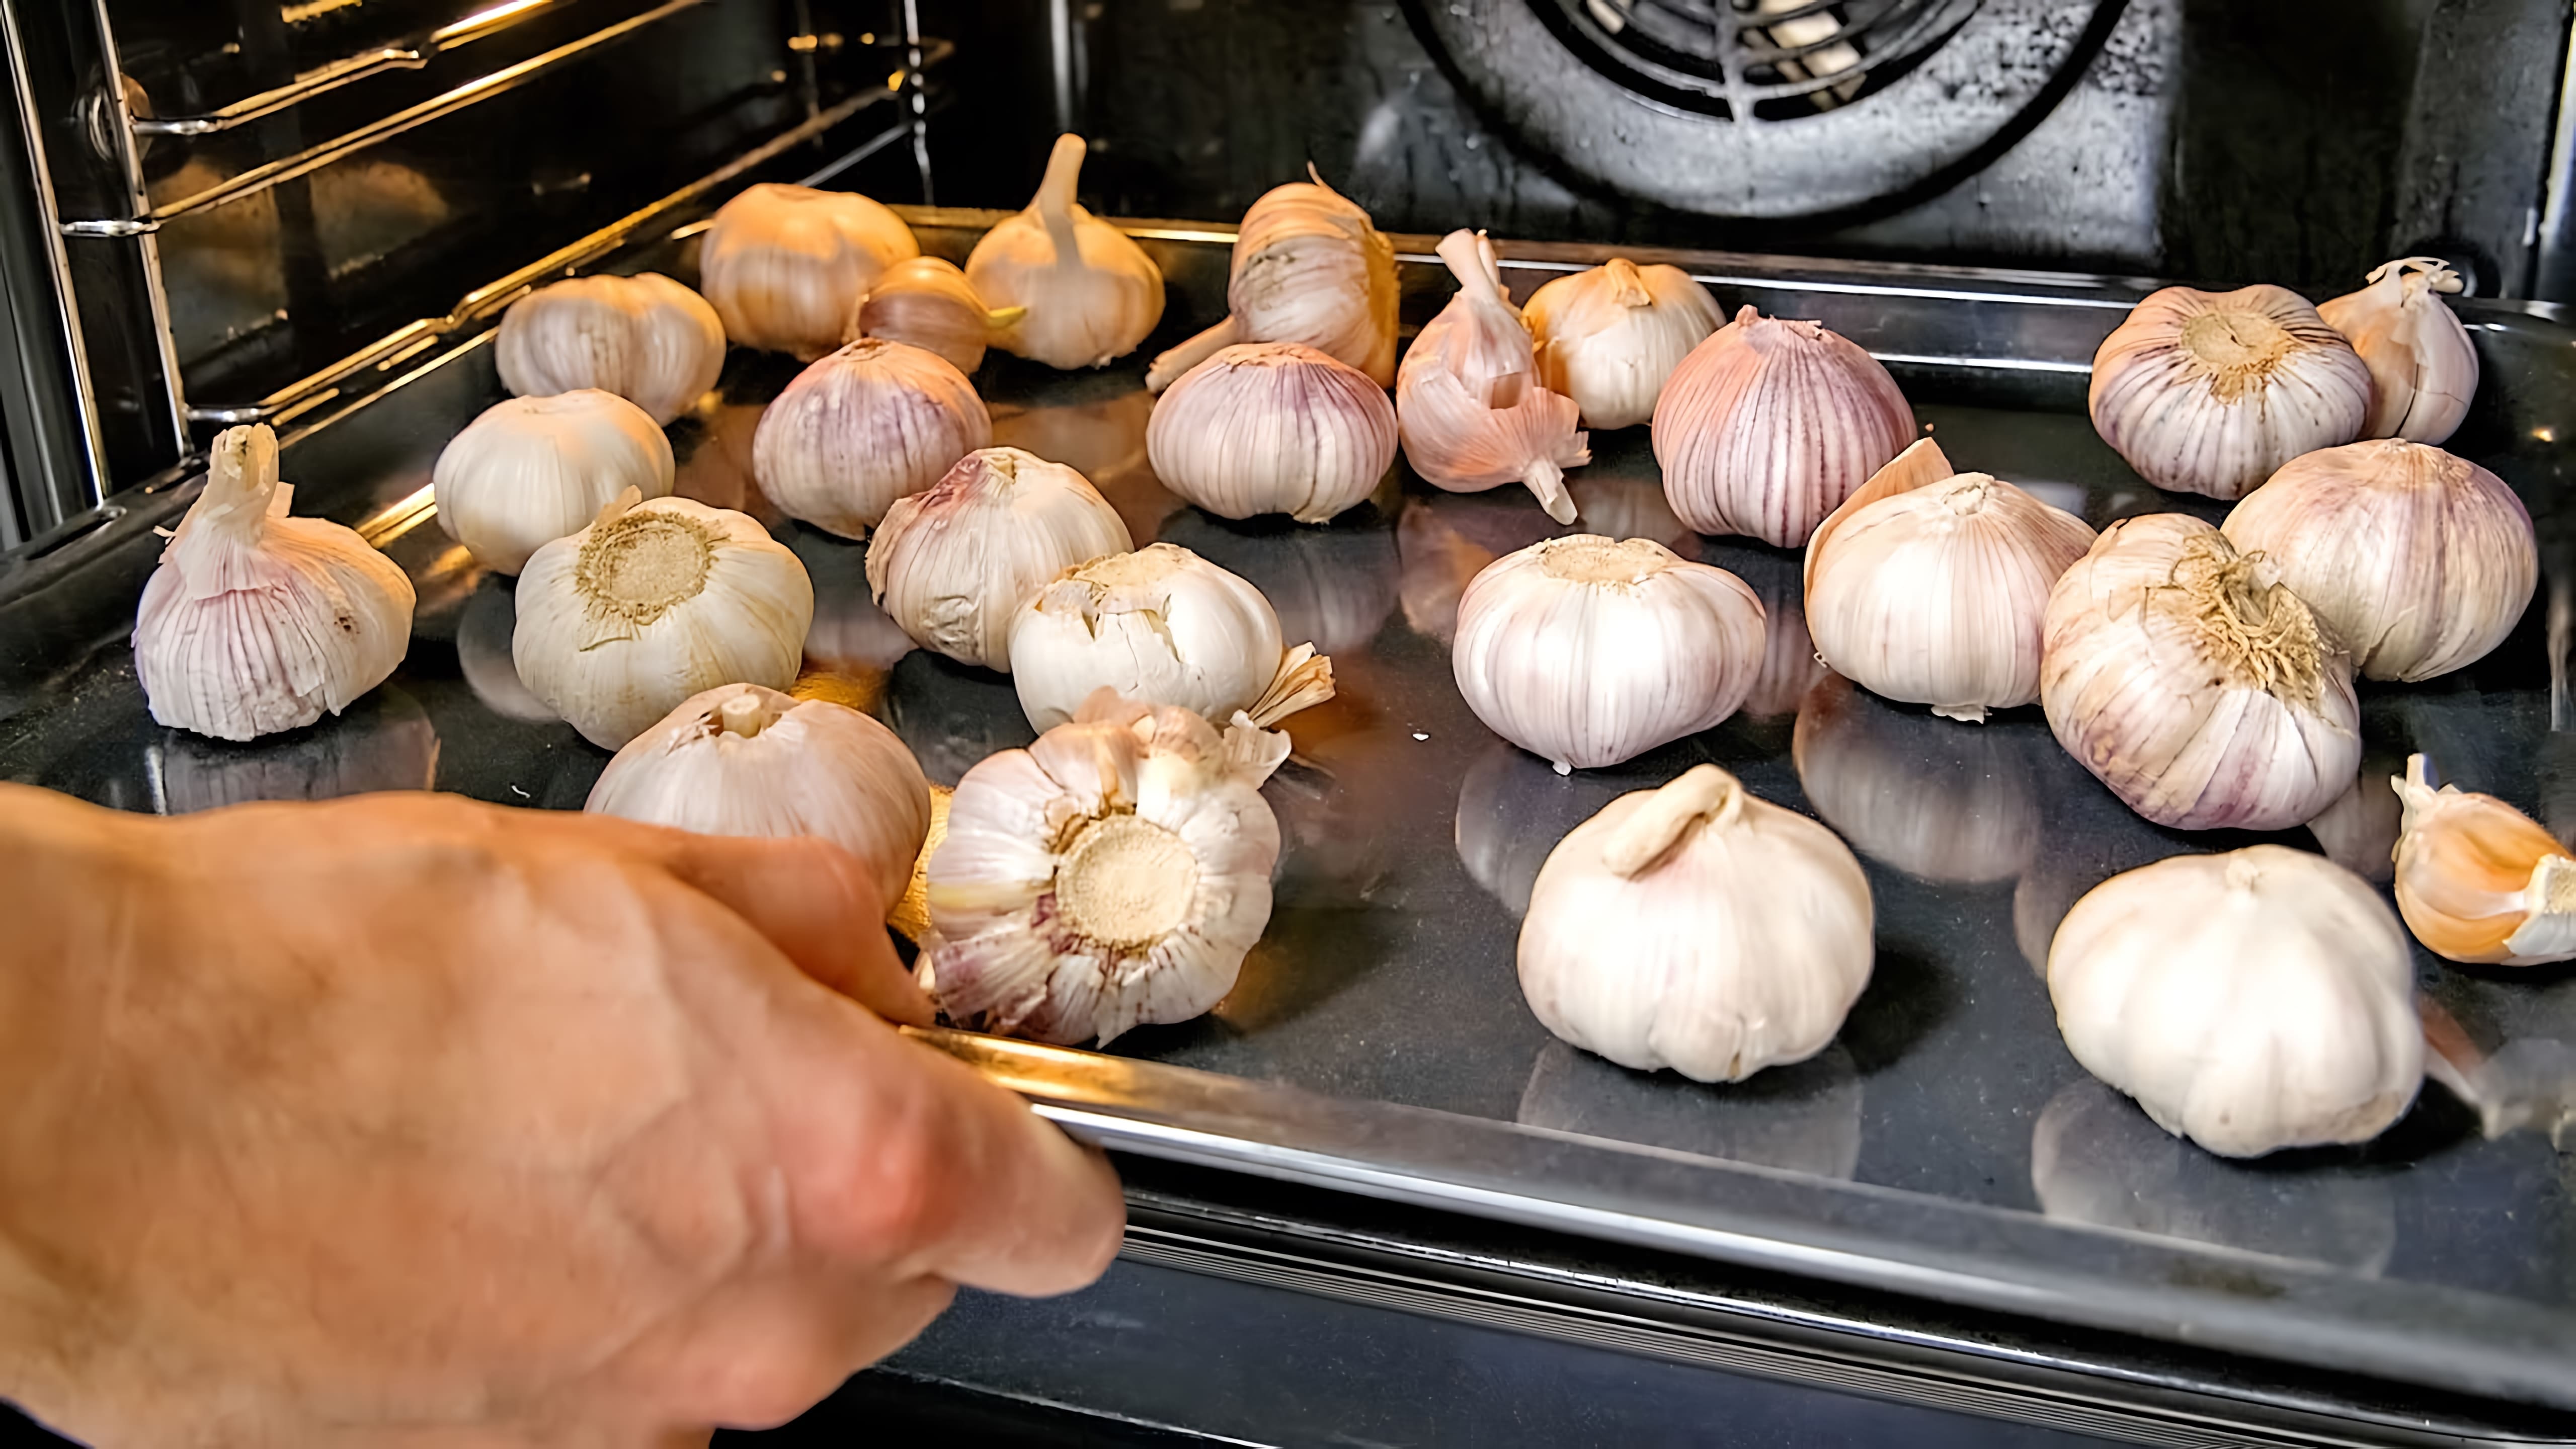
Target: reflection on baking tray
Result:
[[483, 633], [384, 741], [1513, 808], [850, 634], [1935, 799], [1800, 1118], [1332, 586]]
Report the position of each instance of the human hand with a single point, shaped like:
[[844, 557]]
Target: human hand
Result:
[[404, 1119]]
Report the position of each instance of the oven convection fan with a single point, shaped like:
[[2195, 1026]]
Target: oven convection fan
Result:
[[1769, 109]]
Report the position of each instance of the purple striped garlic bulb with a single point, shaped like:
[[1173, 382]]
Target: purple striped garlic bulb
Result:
[[1272, 427], [2209, 392], [871, 423]]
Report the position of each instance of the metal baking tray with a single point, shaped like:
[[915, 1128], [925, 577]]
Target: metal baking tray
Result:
[[1946, 1146]]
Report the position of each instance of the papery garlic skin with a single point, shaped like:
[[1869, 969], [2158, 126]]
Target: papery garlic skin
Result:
[[1698, 928], [1934, 596], [645, 338], [659, 600], [740, 759], [1610, 337], [2418, 561], [2209, 392], [1589, 652], [2194, 683], [953, 565], [2479, 881], [785, 266], [1159, 626], [928, 303], [255, 622], [2250, 1001], [1090, 293], [1272, 427], [861, 428], [532, 470], [1310, 268], [1770, 424], [1110, 876], [2423, 367], [1468, 402]]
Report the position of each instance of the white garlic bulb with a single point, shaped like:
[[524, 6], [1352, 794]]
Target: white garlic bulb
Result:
[[1698, 928], [1309, 267], [2480, 881], [1272, 427], [645, 338], [928, 303], [2208, 392], [2194, 683], [1933, 594], [256, 622], [1111, 875], [741, 759], [1609, 337], [1589, 652], [2419, 562], [531, 470], [861, 428], [1090, 293], [1468, 402], [2423, 368], [2250, 1001], [1770, 424], [954, 564], [785, 266], [660, 599], [1159, 626]]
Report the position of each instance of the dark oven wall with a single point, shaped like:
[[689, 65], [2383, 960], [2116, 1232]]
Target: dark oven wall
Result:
[[2299, 141]]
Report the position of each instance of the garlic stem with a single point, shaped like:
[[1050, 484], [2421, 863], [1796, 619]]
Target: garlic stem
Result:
[[743, 715], [1627, 285], [1055, 199], [1173, 365], [1703, 794]]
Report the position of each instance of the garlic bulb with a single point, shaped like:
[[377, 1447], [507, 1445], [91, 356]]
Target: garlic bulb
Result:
[[1111, 875], [2194, 683], [1272, 427], [2423, 368], [861, 428], [743, 760], [2480, 881], [928, 303], [255, 622], [533, 469], [2208, 392], [1770, 424], [2419, 562], [645, 338], [1945, 805], [1310, 268], [1609, 337], [2250, 1001], [786, 265], [1468, 401], [1090, 292], [1698, 928], [1159, 626], [1590, 652], [954, 565], [660, 599], [1933, 595]]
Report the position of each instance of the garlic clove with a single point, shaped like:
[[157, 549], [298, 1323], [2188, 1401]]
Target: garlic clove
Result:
[[2479, 881], [2419, 562], [1698, 928], [256, 622], [533, 469], [1272, 427], [1469, 409], [1590, 652], [645, 338], [743, 760], [1090, 293], [2209, 392], [1770, 424], [2250, 1001], [928, 303], [1309, 268], [911, 912], [785, 265], [2423, 368], [954, 564], [1610, 337], [857, 430], [658, 600]]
